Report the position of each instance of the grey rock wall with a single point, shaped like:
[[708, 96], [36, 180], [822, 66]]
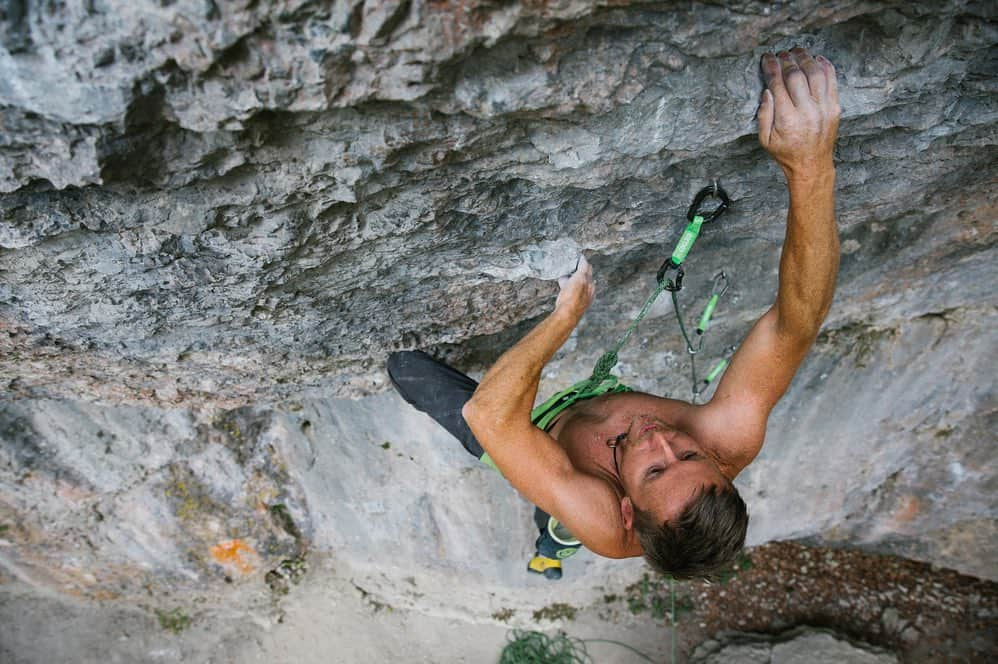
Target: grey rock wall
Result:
[[218, 218], [798, 646]]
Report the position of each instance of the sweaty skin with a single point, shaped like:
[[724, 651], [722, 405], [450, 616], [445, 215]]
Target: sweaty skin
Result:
[[667, 449]]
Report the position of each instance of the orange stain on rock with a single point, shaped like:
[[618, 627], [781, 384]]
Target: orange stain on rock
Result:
[[909, 507], [235, 554]]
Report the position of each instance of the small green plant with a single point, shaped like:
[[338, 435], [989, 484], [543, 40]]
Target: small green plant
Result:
[[684, 605], [174, 621], [386, 445], [555, 611], [741, 564], [503, 614], [636, 605], [641, 594], [290, 571], [659, 607], [654, 594], [280, 513]]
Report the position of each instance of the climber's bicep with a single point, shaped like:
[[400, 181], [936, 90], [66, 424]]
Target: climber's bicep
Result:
[[590, 509], [734, 421], [538, 467]]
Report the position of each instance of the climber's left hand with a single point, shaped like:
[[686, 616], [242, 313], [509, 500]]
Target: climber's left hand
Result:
[[799, 113]]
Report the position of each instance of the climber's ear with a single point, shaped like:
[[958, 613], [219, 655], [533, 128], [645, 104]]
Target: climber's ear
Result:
[[627, 512]]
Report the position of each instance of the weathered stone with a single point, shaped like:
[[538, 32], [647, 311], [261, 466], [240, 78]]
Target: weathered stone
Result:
[[802, 645], [218, 218], [824, 648]]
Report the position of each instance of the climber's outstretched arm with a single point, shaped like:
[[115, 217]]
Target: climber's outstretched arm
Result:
[[530, 459], [798, 121]]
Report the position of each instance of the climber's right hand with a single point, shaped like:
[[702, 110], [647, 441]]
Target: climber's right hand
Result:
[[576, 290]]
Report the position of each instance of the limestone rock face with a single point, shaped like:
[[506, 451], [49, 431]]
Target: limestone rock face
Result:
[[217, 219], [803, 645]]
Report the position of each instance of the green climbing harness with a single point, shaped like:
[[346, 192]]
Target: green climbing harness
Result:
[[545, 413]]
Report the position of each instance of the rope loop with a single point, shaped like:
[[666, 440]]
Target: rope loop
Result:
[[603, 366]]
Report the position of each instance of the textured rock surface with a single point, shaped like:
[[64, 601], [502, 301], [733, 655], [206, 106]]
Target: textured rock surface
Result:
[[799, 646], [218, 218]]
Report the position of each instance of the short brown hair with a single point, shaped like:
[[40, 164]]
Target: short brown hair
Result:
[[707, 535]]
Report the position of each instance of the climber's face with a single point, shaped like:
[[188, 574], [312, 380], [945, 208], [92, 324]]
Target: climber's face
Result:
[[662, 469]]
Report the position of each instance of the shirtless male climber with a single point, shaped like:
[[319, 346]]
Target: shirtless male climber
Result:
[[631, 474]]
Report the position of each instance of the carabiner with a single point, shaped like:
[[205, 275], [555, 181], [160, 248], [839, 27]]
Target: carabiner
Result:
[[716, 291], [672, 286], [720, 278], [714, 190], [692, 231]]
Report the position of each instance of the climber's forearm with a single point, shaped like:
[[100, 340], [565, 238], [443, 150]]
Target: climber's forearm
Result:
[[530, 459], [507, 392], [810, 259], [798, 124], [502, 403]]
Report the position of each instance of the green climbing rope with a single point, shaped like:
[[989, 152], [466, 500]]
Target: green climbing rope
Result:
[[609, 359], [672, 615], [538, 648], [601, 381]]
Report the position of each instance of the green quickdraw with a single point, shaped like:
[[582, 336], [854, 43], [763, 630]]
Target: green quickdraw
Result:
[[700, 387], [697, 217], [601, 381], [719, 288]]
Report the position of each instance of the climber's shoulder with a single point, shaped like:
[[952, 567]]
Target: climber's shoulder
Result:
[[730, 430]]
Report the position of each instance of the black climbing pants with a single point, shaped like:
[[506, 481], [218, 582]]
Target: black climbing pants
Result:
[[441, 391]]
